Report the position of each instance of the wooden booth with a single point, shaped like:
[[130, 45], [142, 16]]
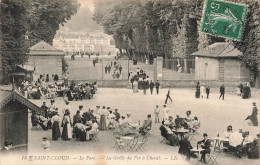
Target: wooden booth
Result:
[[14, 119]]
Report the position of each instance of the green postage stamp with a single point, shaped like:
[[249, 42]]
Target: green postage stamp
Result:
[[224, 19]]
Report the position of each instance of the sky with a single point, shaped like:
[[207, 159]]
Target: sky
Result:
[[89, 3]]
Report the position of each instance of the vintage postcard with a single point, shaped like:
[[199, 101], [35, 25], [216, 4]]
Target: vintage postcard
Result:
[[104, 82]]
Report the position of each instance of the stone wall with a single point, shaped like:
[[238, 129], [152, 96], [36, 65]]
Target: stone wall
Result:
[[46, 65]]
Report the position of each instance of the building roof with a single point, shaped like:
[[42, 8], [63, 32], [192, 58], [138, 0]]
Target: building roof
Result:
[[44, 49], [219, 49], [28, 68], [7, 95]]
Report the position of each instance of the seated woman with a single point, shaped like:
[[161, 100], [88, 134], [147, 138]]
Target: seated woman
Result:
[[79, 131], [188, 118], [253, 150], [185, 147], [124, 126], [227, 134], [168, 134], [242, 149], [195, 124], [94, 129]]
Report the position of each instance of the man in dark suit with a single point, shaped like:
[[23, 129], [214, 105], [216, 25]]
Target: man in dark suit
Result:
[[222, 91], [151, 87], [157, 85], [6, 148], [205, 144], [168, 96]]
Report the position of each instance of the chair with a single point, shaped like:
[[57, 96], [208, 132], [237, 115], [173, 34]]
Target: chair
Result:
[[140, 144], [116, 136], [133, 144], [164, 140], [119, 144], [95, 135], [192, 136], [213, 155]]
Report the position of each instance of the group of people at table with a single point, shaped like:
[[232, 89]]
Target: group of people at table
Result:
[[86, 123], [240, 143]]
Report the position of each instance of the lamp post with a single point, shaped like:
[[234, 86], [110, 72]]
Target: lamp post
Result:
[[128, 68]]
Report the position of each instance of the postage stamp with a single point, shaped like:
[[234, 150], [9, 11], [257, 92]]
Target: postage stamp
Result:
[[224, 19]]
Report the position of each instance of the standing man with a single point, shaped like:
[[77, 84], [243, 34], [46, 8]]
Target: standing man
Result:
[[207, 91], [120, 69], [168, 96], [222, 91], [94, 62], [151, 87], [157, 85], [156, 114], [109, 69]]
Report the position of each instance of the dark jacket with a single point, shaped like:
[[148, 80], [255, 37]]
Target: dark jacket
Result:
[[206, 145], [157, 85], [151, 85], [185, 147], [164, 132], [222, 89]]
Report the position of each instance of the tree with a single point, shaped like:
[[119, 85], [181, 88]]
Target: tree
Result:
[[39, 18], [45, 16], [13, 28]]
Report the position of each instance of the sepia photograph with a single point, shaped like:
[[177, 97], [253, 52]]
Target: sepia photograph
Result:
[[129, 82]]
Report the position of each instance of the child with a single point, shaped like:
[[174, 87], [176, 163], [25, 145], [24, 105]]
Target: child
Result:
[[45, 144]]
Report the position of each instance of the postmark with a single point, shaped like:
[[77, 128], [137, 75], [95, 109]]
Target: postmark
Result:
[[224, 19]]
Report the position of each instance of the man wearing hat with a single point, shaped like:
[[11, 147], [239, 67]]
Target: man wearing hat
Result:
[[253, 116], [77, 118], [205, 144]]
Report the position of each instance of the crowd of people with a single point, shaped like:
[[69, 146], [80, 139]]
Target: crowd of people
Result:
[[51, 90], [244, 90], [139, 80], [85, 123]]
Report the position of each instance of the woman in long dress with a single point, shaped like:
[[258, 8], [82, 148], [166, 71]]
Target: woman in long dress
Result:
[[135, 86], [55, 120], [103, 117], [66, 132]]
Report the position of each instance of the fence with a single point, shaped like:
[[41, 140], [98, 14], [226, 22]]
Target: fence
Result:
[[179, 69]]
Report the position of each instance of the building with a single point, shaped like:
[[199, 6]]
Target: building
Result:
[[22, 72], [14, 119], [219, 61], [46, 60]]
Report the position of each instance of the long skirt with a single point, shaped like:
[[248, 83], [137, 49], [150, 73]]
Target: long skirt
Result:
[[254, 120], [135, 88], [103, 125], [55, 130], [66, 132]]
